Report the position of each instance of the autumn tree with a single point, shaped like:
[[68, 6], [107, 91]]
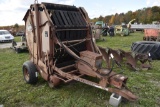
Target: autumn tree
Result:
[[149, 16], [116, 19], [155, 9], [111, 21], [100, 18], [107, 19], [16, 26], [145, 15]]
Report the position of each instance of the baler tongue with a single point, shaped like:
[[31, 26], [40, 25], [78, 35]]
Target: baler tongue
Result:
[[87, 65], [125, 93]]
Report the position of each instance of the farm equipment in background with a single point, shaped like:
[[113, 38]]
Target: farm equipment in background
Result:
[[59, 40], [124, 30], [100, 23], [97, 32], [144, 47], [100, 29], [129, 26], [121, 30], [150, 44], [151, 35], [21, 46]]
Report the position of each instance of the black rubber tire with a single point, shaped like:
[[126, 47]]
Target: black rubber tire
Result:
[[104, 34], [18, 50], [147, 47], [29, 72]]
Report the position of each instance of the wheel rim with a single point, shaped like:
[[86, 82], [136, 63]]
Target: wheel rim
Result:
[[26, 74]]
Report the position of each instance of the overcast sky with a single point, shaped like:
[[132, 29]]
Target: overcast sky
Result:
[[13, 11]]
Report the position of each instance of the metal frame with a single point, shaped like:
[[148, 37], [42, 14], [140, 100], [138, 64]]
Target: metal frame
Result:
[[53, 31], [128, 58]]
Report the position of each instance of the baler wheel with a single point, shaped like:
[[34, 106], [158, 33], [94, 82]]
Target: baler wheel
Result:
[[29, 72]]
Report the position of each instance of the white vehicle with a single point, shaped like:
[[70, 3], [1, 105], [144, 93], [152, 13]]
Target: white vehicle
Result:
[[5, 36]]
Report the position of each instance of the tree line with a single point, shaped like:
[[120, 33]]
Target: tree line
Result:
[[145, 16], [13, 28]]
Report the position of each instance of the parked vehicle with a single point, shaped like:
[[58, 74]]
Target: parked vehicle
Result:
[[100, 23], [121, 30], [100, 29], [21, 33], [124, 29], [5, 36]]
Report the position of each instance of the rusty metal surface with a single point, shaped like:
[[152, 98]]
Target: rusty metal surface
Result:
[[60, 43], [128, 58], [151, 34]]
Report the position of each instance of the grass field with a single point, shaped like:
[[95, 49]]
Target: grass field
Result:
[[17, 38], [14, 92]]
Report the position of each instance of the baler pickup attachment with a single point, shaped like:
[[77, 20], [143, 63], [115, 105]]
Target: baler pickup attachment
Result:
[[132, 60]]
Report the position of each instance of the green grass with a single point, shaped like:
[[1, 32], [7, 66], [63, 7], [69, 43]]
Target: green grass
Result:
[[120, 42], [14, 92], [17, 38]]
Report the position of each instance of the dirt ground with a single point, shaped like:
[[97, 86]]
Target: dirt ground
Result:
[[6, 45]]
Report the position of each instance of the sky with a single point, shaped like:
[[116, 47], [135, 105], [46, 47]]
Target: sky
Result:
[[13, 11]]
